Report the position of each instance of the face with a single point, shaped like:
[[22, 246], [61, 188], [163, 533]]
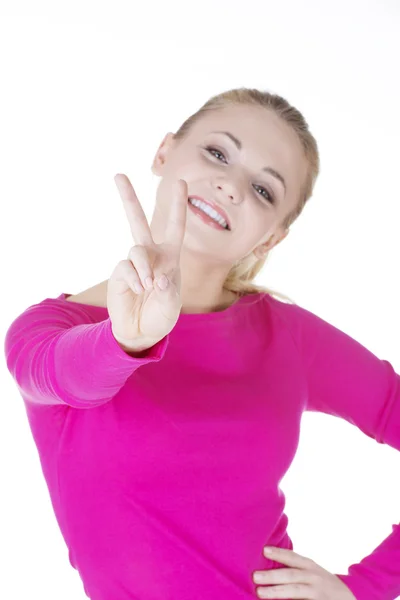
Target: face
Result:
[[233, 178]]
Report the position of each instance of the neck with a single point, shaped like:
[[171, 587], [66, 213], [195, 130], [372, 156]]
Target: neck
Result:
[[195, 305]]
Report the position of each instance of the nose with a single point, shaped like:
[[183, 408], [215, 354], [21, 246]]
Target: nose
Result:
[[229, 192]]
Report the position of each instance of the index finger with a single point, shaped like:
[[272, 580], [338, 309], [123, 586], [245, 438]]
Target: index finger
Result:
[[138, 223], [176, 224]]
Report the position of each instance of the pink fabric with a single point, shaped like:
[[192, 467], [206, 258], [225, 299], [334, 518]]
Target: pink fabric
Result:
[[163, 471]]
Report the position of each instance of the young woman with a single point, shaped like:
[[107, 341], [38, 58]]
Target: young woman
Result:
[[166, 401]]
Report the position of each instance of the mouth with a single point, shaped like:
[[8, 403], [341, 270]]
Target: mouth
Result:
[[203, 209]]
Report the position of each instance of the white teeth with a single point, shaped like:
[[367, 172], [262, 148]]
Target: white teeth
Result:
[[209, 211]]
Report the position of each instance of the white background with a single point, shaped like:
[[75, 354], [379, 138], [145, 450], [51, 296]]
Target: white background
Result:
[[89, 89]]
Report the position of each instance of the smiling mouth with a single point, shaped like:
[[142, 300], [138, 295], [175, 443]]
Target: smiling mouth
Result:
[[197, 209]]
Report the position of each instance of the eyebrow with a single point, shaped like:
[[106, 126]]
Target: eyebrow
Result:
[[269, 170]]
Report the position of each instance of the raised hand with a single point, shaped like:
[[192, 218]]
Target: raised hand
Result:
[[141, 312]]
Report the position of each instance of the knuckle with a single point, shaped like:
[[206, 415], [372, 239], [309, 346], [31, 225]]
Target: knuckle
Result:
[[138, 257], [128, 266], [127, 270], [138, 253], [133, 251], [120, 268]]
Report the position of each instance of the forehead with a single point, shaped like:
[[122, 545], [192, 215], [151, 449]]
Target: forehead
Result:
[[265, 138]]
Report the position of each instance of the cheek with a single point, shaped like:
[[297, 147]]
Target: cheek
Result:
[[257, 220], [193, 167]]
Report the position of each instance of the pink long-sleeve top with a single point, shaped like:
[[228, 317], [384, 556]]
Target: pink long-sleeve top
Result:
[[163, 471]]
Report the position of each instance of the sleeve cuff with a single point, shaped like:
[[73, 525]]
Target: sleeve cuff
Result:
[[154, 353]]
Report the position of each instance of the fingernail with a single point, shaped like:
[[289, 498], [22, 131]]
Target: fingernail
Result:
[[163, 282], [149, 283]]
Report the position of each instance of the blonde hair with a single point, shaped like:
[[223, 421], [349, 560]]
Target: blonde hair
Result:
[[240, 277]]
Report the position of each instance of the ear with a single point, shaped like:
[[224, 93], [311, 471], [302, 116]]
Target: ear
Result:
[[161, 154], [274, 240]]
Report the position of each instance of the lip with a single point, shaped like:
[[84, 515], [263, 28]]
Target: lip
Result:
[[217, 208]]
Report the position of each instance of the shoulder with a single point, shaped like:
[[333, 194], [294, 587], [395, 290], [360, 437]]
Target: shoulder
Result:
[[93, 296]]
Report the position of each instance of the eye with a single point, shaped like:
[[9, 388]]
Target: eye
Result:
[[210, 149], [268, 196]]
